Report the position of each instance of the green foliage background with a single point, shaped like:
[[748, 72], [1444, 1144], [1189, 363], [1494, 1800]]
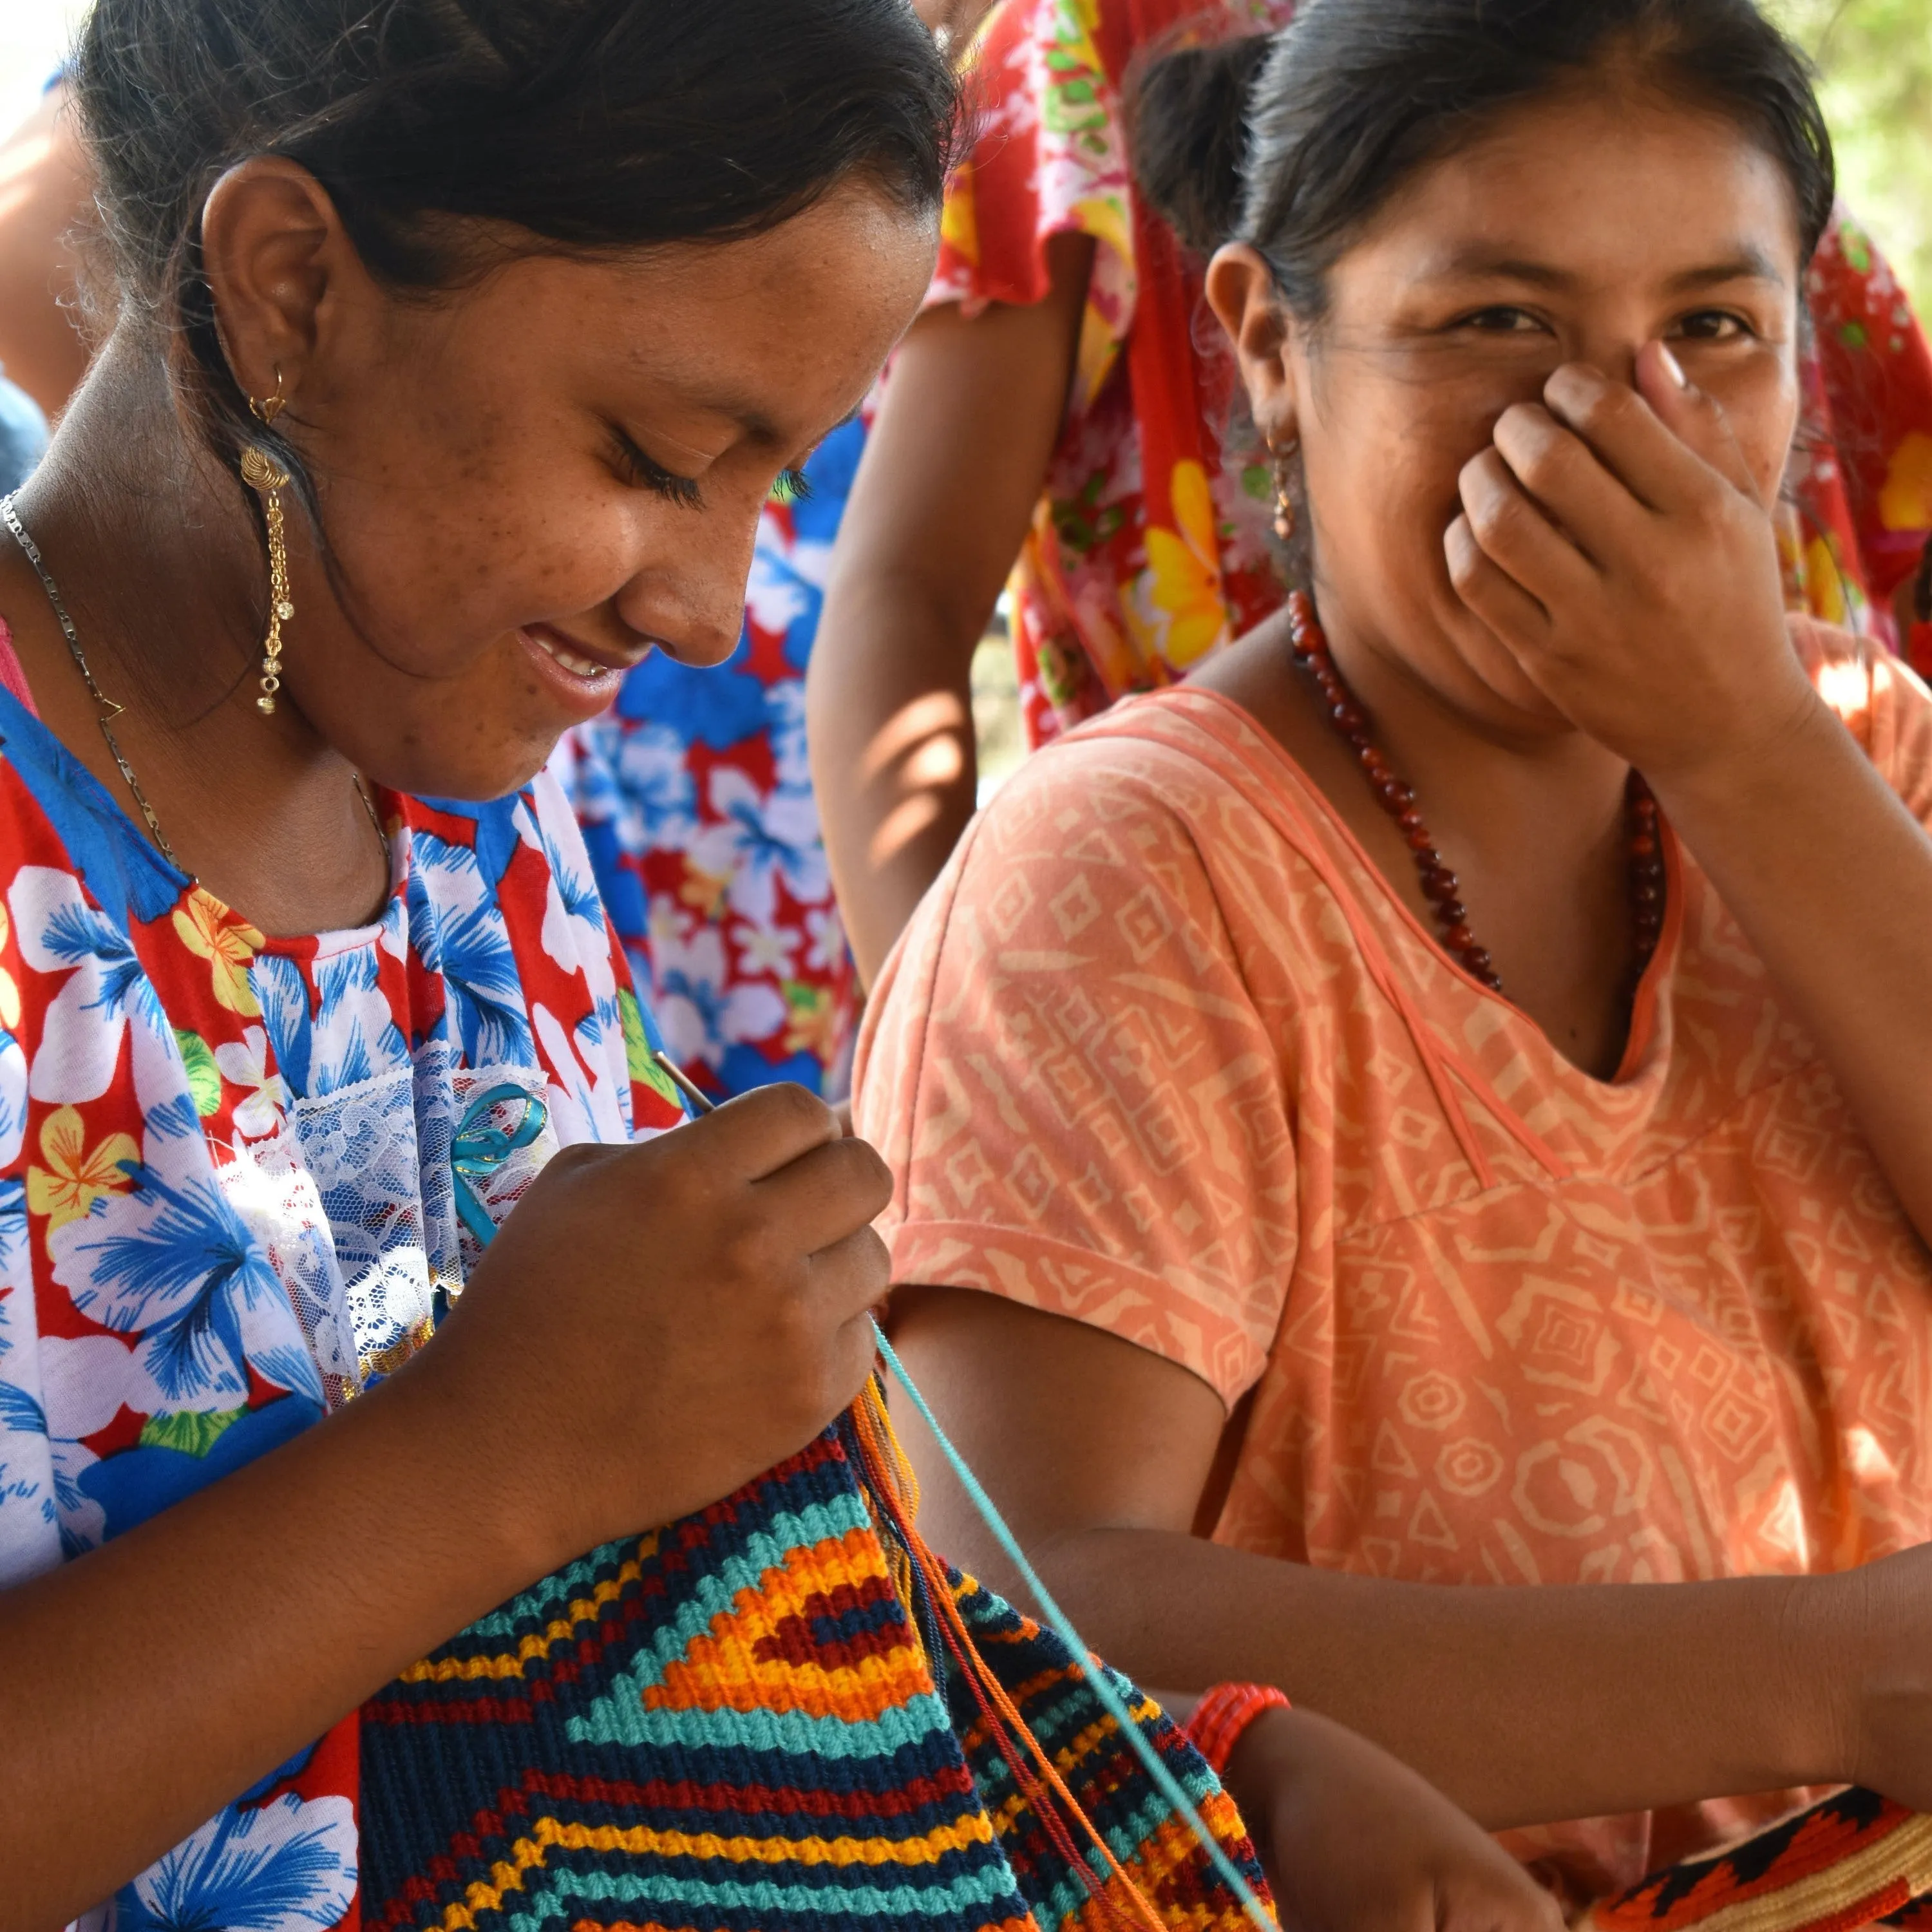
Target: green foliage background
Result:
[[1875, 59]]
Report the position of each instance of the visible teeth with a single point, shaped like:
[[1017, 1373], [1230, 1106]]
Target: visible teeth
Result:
[[578, 666]]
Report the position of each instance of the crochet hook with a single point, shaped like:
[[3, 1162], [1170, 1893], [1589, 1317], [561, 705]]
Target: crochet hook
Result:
[[684, 1084]]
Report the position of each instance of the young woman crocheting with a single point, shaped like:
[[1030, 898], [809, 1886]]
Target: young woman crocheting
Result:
[[455, 349], [1440, 1100]]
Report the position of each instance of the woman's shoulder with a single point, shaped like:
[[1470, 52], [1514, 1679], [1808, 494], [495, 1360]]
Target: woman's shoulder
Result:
[[1144, 824], [1179, 756], [56, 814]]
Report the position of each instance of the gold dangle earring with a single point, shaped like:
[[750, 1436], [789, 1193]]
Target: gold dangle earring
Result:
[[264, 476], [1284, 500]]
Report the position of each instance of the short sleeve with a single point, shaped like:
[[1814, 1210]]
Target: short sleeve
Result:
[[1049, 158], [1082, 1107]]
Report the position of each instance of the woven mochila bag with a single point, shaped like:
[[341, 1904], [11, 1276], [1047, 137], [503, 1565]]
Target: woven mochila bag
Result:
[[1856, 1859], [781, 1715]]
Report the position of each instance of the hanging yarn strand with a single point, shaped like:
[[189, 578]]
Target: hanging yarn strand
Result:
[[1057, 1620], [895, 1487]]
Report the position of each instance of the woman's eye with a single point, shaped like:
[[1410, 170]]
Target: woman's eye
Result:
[[1712, 324], [793, 486], [1500, 320], [642, 472]]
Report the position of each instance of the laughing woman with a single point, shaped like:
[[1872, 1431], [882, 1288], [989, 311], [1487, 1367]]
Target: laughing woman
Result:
[[1440, 1100]]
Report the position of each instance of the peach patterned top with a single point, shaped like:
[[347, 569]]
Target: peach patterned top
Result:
[[1162, 1052]]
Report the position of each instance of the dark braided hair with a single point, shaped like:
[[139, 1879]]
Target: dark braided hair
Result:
[[448, 132]]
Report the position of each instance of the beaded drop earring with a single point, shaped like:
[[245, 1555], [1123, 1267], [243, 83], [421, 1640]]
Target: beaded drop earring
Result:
[[1284, 500], [268, 478]]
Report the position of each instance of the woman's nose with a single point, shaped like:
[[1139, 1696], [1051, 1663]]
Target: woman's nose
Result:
[[1612, 352], [694, 603]]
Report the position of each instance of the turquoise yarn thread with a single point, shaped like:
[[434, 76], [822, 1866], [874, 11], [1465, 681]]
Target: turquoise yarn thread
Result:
[[1057, 1620], [1063, 1627]]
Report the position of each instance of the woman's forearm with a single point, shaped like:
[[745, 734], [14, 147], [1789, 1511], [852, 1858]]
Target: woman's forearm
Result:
[[144, 1685], [947, 487], [1832, 877], [893, 754], [1524, 1706]]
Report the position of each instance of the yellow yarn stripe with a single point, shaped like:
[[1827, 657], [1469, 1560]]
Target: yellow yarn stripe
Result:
[[583, 1610], [529, 1854]]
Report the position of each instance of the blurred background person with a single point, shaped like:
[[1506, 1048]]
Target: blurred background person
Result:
[[43, 192]]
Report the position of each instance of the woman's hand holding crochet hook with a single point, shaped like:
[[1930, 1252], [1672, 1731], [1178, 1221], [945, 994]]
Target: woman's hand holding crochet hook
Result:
[[655, 1325], [1615, 543]]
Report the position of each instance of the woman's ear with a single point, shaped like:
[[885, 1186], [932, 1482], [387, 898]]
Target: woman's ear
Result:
[[275, 253], [1242, 293]]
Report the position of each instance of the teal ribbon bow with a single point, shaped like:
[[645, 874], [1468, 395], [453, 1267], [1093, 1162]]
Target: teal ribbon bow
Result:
[[482, 1147]]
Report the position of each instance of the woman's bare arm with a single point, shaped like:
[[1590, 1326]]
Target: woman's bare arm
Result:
[[944, 494], [44, 189], [1524, 1706], [209, 1645]]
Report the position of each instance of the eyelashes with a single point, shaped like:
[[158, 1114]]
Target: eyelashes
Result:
[[642, 472]]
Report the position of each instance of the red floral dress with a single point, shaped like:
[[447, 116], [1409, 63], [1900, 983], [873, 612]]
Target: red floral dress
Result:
[[1150, 546], [241, 1178]]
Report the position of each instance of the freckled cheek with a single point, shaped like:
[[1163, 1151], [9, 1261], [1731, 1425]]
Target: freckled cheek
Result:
[[441, 580], [1389, 488]]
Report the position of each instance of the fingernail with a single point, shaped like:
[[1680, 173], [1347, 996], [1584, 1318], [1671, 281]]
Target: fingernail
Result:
[[1671, 367]]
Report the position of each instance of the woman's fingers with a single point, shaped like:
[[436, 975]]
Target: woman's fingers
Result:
[[761, 1132], [1661, 440], [1513, 531], [1492, 594], [827, 1193]]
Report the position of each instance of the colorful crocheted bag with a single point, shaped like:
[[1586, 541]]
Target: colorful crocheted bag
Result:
[[779, 1715], [1855, 1860]]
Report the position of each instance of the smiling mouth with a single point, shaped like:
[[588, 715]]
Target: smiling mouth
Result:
[[553, 646], [570, 661]]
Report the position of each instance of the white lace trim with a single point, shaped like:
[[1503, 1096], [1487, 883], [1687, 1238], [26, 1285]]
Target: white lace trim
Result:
[[353, 1200]]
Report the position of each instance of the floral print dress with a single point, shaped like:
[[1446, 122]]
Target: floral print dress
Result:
[[698, 809], [1150, 546], [241, 1178]]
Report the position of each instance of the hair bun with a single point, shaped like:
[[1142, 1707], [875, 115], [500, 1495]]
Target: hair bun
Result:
[[1189, 121]]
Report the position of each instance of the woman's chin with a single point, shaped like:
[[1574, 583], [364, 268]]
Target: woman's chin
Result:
[[475, 775]]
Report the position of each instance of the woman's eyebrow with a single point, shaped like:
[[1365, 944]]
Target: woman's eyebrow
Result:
[[1476, 263], [1748, 264]]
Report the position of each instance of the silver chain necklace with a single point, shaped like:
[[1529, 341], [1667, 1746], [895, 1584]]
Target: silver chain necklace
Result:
[[110, 710]]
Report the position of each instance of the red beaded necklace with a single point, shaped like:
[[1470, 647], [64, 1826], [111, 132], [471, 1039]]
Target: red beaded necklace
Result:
[[1439, 884]]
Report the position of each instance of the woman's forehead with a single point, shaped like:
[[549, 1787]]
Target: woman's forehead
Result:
[[756, 333], [1612, 186]]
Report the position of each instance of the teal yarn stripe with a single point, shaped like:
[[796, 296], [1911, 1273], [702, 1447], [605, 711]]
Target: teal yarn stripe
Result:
[[965, 1900], [618, 1718], [1057, 1620]]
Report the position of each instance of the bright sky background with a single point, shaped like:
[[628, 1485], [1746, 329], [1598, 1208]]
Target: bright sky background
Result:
[[33, 37]]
